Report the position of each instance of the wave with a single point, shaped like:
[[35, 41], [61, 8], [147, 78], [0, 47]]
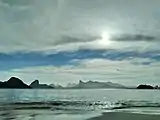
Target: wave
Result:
[[53, 105], [135, 104], [80, 105]]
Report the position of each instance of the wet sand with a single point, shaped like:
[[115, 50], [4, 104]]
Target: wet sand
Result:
[[55, 115], [125, 116], [43, 114]]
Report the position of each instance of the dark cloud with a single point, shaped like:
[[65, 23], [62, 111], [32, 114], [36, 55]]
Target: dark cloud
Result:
[[133, 37], [142, 63], [68, 39]]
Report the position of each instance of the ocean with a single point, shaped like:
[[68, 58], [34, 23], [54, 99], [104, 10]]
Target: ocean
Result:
[[79, 104]]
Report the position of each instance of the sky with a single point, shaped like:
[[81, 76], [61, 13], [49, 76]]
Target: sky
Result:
[[64, 41]]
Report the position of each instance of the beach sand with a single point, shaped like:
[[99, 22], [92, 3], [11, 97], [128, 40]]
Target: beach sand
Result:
[[62, 115], [125, 116], [41, 114]]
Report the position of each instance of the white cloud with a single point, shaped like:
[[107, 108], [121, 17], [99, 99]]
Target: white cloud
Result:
[[39, 25], [91, 69]]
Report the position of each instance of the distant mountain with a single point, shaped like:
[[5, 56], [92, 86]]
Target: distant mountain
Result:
[[17, 83], [145, 87], [96, 84], [35, 84], [14, 82], [71, 85], [56, 86]]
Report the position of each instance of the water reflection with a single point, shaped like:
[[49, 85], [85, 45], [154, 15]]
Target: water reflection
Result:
[[10, 96], [18, 115], [8, 115]]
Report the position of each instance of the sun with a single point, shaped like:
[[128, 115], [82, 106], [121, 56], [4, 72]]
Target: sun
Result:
[[105, 39]]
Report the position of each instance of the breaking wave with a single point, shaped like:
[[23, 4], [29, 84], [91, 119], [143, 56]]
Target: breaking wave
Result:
[[135, 104], [80, 105]]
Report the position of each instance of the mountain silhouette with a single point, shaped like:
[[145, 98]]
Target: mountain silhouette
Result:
[[96, 84], [35, 84], [14, 82]]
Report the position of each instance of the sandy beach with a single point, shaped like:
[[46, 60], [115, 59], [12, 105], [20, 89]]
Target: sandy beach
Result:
[[125, 116]]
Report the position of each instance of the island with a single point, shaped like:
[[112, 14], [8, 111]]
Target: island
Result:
[[145, 87]]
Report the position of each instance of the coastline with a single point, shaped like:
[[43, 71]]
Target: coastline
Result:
[[125, 116]]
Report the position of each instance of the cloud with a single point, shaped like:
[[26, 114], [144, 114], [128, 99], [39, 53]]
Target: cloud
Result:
[[27, 59], [75, 39], [90, 69], [49, 33], [51, 26], [134, 37]]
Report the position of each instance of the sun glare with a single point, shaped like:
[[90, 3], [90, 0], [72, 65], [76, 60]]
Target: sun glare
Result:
[[105, 39]]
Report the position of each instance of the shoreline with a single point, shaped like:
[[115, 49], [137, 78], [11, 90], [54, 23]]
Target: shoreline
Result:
[[125, 116]]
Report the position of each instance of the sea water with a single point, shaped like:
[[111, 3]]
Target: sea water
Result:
[[78, 104]]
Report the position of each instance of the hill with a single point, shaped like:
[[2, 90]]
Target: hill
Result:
[[96, 84], [14, 82]]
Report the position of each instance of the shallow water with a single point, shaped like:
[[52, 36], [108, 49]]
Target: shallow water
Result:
[[81, 104]]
